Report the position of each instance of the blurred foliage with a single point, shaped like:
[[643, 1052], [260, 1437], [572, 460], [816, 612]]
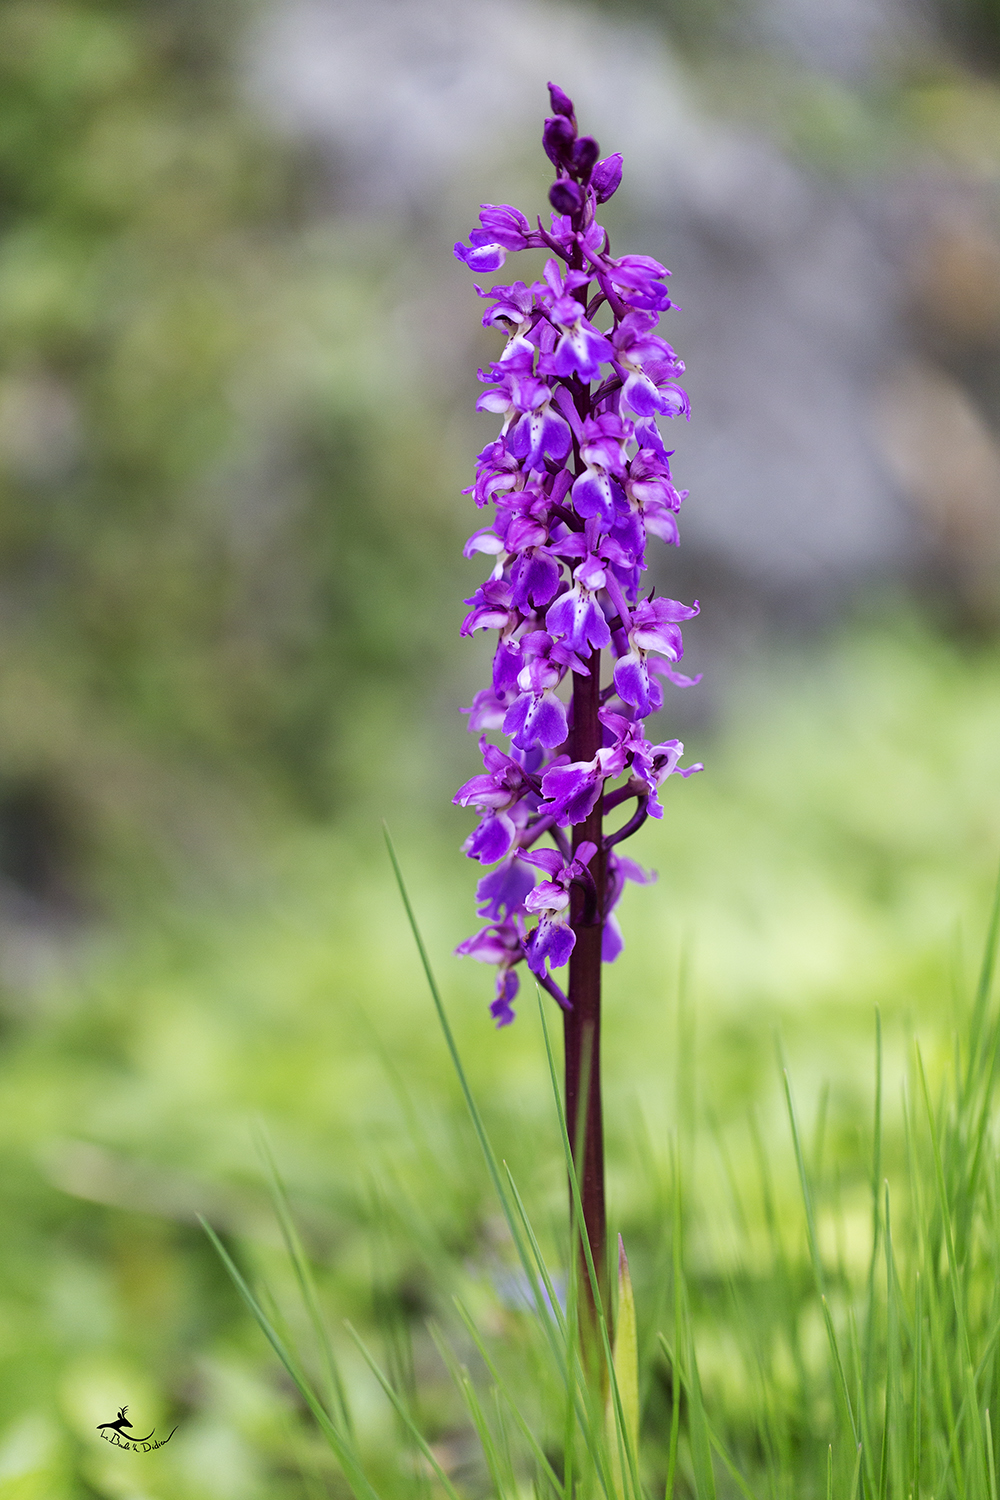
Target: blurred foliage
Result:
[[846, 832], [975, 26], [205, 560], [696, 28]]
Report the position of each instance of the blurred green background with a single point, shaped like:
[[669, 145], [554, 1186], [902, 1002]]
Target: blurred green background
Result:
[[234, 428]]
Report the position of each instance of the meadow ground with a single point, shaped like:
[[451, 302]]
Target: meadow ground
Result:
[[837, 859]]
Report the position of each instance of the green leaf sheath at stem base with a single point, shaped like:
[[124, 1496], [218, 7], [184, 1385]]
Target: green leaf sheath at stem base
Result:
[[623, 1441]]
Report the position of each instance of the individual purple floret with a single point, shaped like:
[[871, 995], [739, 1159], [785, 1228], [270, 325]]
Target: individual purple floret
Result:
[[553, 939], [575, 483]]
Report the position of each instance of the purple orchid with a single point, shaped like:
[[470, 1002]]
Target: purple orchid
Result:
[[500, 944], [502, 229], [620, 869], [650, 490], [575, 483], [571, 788], [649, 765], [504, 890], [581, 348], [537, 715], [606, 177], [577, 615], [646, 362], [597, 491], [638, 281], [654, 627], [577, 480], [553, 940], [502, 797]]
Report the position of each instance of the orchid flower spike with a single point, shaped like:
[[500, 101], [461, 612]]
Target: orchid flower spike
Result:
[[575, 483]]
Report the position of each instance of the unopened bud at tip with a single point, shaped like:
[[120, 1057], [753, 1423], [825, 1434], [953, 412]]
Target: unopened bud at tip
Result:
[[562, 104]]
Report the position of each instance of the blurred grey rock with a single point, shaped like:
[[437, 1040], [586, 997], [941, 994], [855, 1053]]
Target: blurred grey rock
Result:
[[948, 461], [852, 40], [405, 93], [794, 301]]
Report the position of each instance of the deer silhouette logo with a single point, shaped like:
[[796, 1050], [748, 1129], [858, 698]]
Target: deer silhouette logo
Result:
[[121, 1423], [115, 1434]]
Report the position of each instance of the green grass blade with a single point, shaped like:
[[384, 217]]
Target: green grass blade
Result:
[[493, 1167], [342, 1448], [945, 1212], [814, 1254], [504, 1388], [916, 1452], [876, 1191], [990, 1455], [861, 1397], [895, 1410], [463, 1384], [686, 1379], [306, 1284], [817, 1266], [401, 1410], [504, 1448], [626, 1351], [701, 1444], [675, 1394], [537, 1256], [983, 987]]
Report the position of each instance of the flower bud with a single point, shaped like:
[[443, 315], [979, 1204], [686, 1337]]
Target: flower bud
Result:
[[562, 104], [505, 225], [566, 197], [585, 153], [557, 138], [606, 177]]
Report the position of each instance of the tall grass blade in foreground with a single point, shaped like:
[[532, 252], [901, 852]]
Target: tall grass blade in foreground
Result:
[[340, 1442]]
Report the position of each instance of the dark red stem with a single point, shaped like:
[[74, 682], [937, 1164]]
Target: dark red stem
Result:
[[582, 1022]]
